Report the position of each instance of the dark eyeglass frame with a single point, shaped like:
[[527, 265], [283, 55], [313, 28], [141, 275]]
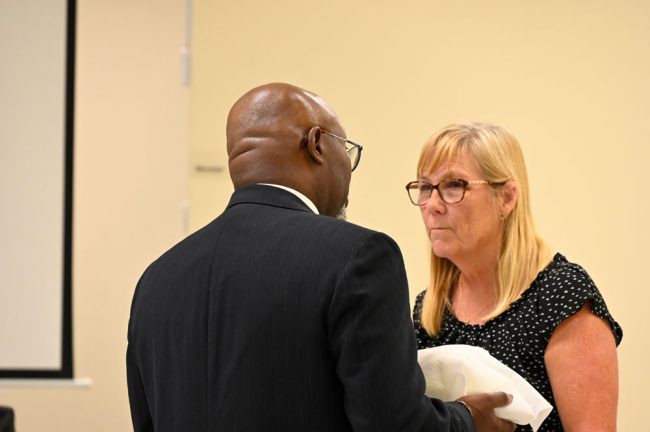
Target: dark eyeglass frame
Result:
[[415, 186], [349, 150]]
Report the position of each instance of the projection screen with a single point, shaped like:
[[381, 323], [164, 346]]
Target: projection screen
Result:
[[36, 115]]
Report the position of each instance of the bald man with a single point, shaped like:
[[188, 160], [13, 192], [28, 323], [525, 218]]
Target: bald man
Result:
[[278, 315]]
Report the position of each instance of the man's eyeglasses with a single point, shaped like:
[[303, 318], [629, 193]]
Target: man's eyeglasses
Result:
[[450, 191], [352, 149]]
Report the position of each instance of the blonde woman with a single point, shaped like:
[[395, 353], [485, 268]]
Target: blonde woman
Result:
[[496, 284]]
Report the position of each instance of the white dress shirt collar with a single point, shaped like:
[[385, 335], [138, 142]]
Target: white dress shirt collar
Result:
[[302, 197]]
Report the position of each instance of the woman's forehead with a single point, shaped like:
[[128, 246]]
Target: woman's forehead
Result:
[[456, 164]]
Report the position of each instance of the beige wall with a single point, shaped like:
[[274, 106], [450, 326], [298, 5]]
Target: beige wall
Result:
[[569, 79], [132, 129]]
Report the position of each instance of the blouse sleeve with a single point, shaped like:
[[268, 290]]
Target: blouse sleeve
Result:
[[564, 291]]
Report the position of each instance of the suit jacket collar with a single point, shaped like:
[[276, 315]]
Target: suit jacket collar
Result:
[[267, 195]]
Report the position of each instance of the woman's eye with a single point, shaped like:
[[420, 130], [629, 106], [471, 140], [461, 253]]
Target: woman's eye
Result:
[[453, 184]]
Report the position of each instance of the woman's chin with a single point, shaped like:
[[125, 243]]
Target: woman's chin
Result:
[[441, 251]]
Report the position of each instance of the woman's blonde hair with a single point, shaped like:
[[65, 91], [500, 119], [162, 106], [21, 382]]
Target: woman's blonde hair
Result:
[[523, 253]]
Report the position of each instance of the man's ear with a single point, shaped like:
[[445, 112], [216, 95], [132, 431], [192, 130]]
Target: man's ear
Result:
[[509, 196], [313, 148]]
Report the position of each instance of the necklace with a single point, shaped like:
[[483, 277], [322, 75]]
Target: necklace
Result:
[[463, 303]]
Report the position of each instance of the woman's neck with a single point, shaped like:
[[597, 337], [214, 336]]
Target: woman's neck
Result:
[[475, 294]]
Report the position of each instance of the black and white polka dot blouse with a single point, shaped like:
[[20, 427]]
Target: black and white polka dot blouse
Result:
[[519, 336]]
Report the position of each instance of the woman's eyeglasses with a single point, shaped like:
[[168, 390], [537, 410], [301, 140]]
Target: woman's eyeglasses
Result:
[[451, 191]]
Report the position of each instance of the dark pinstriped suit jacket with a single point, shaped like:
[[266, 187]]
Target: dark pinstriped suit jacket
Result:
[[273, 318]]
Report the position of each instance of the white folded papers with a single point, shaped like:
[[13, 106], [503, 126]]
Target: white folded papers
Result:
[[452, 371]]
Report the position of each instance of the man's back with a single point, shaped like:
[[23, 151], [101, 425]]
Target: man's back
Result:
[[250, 323]]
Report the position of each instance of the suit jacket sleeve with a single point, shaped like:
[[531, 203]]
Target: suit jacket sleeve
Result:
[[140, 414], [372, 337]]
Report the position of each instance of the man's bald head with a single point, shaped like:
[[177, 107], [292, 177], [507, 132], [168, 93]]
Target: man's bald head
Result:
[[273, 136], [271, 108]]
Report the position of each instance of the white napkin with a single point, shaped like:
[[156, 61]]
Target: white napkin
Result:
[[452, 371]]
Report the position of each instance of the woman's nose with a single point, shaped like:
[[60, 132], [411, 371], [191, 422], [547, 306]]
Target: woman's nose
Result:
[[435, 204]]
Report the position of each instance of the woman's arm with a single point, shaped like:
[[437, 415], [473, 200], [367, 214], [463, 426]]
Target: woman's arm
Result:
[[582, 367]]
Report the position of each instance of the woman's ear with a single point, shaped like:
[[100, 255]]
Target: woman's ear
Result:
[[313, 147], [509, 195]]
